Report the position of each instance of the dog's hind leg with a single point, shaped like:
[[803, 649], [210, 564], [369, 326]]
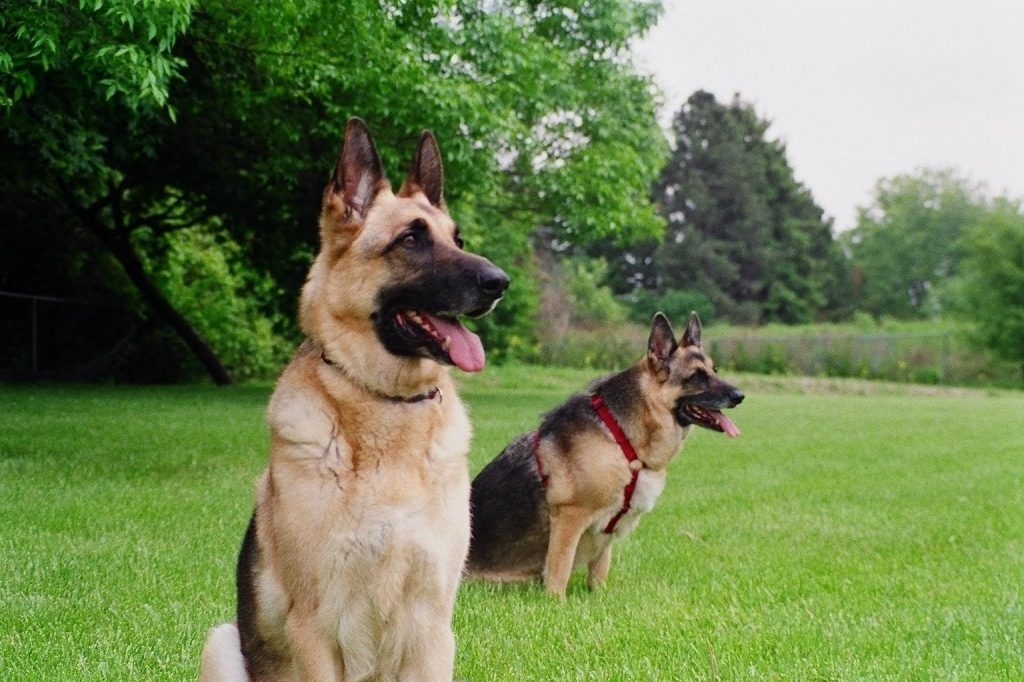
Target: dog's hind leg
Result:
[[222, 659], [597, 569], [567, 525]]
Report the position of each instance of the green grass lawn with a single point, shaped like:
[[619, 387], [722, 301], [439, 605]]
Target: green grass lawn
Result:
[[842, 537]]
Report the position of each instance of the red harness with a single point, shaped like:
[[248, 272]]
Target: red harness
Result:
[[627, 450]]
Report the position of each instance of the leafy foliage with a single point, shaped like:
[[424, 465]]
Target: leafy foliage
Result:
[[995, 278], [907, 244], [125, 116], [203, 273], [117, 48], [592, 300]]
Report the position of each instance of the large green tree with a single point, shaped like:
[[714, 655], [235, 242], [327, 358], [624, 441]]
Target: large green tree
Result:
[[85, 102], [908, 243], [741, 229], [993, 269], [123, 118]]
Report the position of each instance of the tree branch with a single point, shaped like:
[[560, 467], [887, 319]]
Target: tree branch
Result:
[[117, 240]]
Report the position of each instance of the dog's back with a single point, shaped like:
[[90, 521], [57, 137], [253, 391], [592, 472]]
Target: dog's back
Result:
[[509, 513], [508, 499]]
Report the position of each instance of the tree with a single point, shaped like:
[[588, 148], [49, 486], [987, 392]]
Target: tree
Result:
[[994, 271], [123, 116], [805, 264], [741, 229], [77, 79], [907, 245]]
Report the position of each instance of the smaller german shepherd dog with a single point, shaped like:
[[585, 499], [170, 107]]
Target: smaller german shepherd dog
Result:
[[351, 562], [555, 499]]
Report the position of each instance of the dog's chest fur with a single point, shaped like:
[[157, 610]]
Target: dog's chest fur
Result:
[[366, 508], [664, 443], [649, 486]]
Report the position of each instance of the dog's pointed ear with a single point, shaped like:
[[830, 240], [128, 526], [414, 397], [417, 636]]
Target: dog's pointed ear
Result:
[[427, 173], [691, 337], [358, 174], [662, 343]]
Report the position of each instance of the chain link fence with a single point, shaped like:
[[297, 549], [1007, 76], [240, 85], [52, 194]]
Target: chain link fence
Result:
[[48, 337]]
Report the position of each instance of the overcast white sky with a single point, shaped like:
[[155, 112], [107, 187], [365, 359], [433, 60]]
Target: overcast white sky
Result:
[[859, 89]]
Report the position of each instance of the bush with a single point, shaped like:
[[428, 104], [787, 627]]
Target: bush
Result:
[[592, 301], [204, 275], [604, 347], [994, 286]]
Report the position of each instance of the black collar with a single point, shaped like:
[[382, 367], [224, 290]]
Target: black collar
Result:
[[435, 392]]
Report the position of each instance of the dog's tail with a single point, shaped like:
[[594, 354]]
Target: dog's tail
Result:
[[222, 656]]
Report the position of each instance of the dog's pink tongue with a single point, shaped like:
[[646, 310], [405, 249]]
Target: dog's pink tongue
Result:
[[466, 350], [726, 424]]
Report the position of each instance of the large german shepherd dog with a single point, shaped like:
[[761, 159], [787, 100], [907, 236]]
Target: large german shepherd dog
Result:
[[555, 499], [350, 565]]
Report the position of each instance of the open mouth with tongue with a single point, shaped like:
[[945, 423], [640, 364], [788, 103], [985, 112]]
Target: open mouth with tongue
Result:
[[441, 337], [709, 418]]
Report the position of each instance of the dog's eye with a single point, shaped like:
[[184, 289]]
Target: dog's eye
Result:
[[698, 375], [417, 235], [458, 239]]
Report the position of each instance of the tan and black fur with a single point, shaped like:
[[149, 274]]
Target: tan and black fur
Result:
[[524, 528], [350, 565]]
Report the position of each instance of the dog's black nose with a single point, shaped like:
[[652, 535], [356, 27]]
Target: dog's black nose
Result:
[[736, 396], [493, 282]]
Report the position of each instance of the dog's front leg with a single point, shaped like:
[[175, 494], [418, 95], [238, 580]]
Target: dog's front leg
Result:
[[597, 569], [433, 660], [567, 525], [314, 657]]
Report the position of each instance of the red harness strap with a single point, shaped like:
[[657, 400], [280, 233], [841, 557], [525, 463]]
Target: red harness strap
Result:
[[627, 449]]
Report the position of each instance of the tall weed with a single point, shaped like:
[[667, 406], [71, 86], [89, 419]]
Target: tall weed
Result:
[[910, 352]]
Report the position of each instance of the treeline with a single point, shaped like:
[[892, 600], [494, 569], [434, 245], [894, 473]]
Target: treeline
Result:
[[745, 242], [166, 160]]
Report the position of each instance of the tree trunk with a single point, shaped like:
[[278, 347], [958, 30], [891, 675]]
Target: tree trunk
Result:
[[120, 246]]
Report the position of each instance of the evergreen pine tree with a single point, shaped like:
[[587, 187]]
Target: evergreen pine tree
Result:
[[741, 229]]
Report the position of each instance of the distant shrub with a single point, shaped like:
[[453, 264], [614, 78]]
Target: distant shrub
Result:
[[508, 332], [864, 321], [591, 299], [772, 360], [604, 347]]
